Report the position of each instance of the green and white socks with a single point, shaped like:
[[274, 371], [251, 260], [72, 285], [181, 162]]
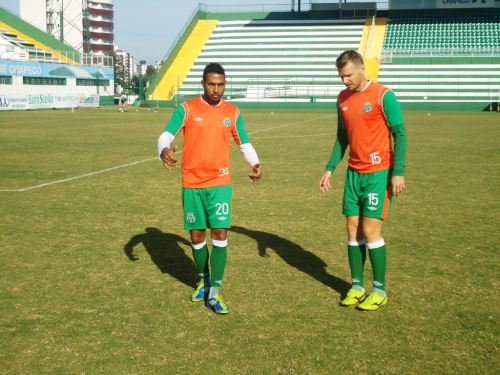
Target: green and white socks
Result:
[[356, 251], [200, 256], [378, 258], [218, 262]]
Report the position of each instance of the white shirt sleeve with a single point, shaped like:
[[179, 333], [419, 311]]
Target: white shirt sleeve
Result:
[[165, 140], [249, 154]]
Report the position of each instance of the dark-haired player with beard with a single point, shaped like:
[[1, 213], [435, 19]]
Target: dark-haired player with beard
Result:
[[208, 123]]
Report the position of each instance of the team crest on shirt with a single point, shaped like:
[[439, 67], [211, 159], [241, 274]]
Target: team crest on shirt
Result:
[[367, 108], [226, 122], [190, 217]]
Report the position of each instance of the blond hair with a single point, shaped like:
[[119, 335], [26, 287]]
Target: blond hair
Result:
[[347, 56]]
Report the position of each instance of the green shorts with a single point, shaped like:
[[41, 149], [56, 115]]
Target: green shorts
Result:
[[368, 194], [207, 207]]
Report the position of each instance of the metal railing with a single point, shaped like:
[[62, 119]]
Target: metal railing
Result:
[[283, 7], [200, 7], [381, 4], [387, 54], [56, 56], [257, 89], [96, 60]]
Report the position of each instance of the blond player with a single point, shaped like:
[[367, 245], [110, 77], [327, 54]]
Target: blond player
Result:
[[368, 114]]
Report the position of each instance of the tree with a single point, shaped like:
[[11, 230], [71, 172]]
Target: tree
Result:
[[150, 70]]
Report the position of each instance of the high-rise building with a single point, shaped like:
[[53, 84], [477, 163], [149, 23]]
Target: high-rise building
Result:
[[97, 32], [126, 63], [86, 25]]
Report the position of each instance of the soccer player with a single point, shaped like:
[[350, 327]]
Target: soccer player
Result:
[[208, 123], [368, 113], [123, 103]]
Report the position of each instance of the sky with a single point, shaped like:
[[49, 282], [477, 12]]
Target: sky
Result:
[[147, 28]]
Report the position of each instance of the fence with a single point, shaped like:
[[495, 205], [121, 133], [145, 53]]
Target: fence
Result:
[[387, 55]]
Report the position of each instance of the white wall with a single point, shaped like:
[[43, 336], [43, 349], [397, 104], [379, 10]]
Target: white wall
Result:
[[73, 24], [34, 11], [18, 88]]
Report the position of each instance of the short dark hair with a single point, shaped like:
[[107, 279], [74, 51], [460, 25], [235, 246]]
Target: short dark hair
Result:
[[213, 68], [347, 56]]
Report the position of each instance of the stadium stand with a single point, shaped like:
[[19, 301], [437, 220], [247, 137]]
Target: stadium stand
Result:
[[179, 68], [431, 58], [38, 45], [443, 59], [274, 62], [443, 32]]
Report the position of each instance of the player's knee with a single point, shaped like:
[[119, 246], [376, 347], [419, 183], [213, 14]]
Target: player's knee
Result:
[[219, 234], [372, 234], [197, 236]]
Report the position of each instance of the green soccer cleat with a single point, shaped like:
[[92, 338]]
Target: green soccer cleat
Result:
[[217, 304], [353, 297], [373, 302], [199, 293]]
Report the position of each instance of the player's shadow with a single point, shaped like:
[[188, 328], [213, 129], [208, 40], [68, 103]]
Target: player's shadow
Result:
[[166, 253], [296, 256]]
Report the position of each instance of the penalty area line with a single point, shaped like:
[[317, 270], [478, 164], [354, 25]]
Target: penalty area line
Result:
[[77, 177]]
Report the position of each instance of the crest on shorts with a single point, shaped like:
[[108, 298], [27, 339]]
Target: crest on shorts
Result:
[[344, 204], [190, 217], [226, 122], [367, 108]]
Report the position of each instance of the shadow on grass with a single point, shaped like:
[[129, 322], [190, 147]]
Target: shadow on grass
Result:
[[166, 253], [296, 256]]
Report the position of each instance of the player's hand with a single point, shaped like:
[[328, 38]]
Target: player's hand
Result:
[[167, 156], [256, 174], [324, 183], [398, 185]]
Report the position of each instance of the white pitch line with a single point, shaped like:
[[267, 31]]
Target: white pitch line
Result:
[[142, 161], [293, 123], [77, 177]]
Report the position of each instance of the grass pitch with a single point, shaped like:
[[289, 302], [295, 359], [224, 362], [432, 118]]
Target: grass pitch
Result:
[[96, 269]]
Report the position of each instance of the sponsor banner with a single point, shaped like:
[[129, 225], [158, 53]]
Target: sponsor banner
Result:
[[452, 4], [88, 100], [48, 101], [48, 70], [12, 102], [65, 101], [39, 101], [11, 52]]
